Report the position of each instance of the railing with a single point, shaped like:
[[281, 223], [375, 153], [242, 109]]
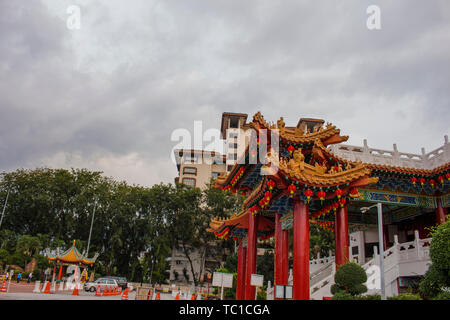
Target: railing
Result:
[[365, 154], [394, 257]]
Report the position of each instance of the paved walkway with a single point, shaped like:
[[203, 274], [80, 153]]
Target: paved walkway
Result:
[[68, 296]]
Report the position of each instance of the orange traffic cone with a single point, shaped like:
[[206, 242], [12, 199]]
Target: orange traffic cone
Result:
[[75, 290], [177, 297], [148, 294], [194, 297], [106, 291], [158, 297], [4, 289], [47, 288], [98, 293], [125, 294]]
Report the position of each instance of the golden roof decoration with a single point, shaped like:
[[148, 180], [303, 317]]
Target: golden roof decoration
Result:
[[319, 175]]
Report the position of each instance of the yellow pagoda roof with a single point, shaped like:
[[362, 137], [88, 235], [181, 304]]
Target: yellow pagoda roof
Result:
[[71, 256]]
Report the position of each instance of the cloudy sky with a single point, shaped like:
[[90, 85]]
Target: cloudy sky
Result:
[[108, 96]]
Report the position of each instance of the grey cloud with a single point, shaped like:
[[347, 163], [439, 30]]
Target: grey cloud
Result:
[[138, 70]]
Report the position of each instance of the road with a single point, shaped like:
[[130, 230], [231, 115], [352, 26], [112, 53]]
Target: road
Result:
[[24, 291]]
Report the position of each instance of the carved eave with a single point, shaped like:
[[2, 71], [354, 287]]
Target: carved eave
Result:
[[239, 221], [310, 176], [328, 135], [323, 152], [414, 171]]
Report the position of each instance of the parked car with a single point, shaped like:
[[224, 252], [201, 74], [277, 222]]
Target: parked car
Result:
[[120, 280], [102, 282]]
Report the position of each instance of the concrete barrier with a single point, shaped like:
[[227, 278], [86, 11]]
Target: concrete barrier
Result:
[[37, 286]]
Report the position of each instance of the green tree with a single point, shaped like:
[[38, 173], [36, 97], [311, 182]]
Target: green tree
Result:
[[28, 246], [438, 274]]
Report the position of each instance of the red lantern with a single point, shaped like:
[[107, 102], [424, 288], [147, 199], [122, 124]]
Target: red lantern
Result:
[[447, 175], [354, 193], [271, 184], [338, 193], [244, 193], [422, 181], [342, 202], [335, 206], [291, 149], [432, 182], [321, 194], [292, 189], [308, 193], [441, 179], [268, 195], [413, 180]]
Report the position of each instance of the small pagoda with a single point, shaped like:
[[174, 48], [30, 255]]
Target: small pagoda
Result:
[[71, 256]]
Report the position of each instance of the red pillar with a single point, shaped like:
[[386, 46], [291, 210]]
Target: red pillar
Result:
[[440, 213], [281, 253], [341, 236], [60, 272], [251, 255], [240, 283], [301, 250], [54, 269]]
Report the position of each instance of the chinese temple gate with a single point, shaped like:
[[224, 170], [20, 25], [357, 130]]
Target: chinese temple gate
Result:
[[71, 256], [304, 183]]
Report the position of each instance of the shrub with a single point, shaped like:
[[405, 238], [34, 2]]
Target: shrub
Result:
[[369, 297], [405, 296], [342, 295], [261, 295], [431, 283], [442, 296], [350, 277]]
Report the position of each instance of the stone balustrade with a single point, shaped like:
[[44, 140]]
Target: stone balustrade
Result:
[[393, 157]]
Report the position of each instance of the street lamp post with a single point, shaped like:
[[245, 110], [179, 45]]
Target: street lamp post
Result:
[[90, 231], [380, 245], [4, 207]]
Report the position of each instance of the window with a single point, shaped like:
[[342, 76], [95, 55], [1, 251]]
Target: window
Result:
[[233, 135], [232, 145], [234, 123], [189, 170], [190, 159], [189, 181], [232, 156], [215, 174]]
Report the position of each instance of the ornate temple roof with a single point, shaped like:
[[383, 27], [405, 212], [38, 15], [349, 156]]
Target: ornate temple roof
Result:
[[71, 256], [271, 190], [306, 167]]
